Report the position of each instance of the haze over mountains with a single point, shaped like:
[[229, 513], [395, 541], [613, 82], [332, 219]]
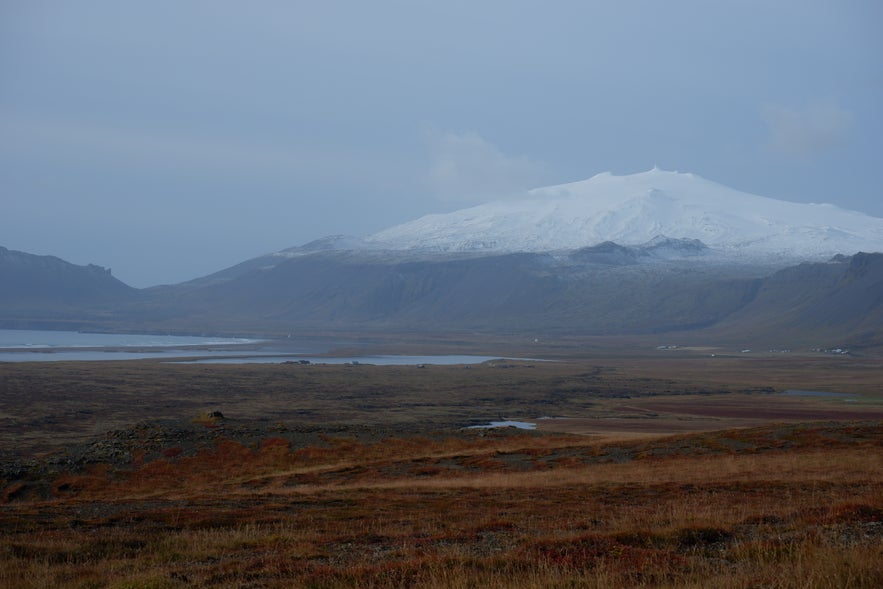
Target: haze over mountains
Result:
[[648, 253]]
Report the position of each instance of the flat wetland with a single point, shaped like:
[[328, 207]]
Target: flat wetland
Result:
[[657, 468]]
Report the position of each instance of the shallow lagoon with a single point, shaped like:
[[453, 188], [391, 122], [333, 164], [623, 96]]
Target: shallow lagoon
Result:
[[24, 345], [28, 339], [48, 346], [387, 360]]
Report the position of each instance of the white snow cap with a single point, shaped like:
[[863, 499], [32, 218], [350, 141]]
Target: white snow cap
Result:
[[634, 209]]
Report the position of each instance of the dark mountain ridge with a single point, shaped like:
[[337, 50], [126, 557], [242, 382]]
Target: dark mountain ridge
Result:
[[48, 278], [605, 289], [48, 292], [844, 295]]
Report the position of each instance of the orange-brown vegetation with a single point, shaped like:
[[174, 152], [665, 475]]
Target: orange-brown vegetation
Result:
[[777, 506], [695, 473]]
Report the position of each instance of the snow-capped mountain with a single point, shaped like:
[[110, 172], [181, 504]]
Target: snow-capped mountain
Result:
[[637, 209]]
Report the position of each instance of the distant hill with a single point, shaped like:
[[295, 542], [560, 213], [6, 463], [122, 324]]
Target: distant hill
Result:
[[608, 289], [818, 302], [45, 291]]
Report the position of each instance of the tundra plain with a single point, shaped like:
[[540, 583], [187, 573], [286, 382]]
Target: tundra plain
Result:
[[656, 468]]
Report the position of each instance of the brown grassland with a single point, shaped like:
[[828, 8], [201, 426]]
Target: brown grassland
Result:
[[660, 470]]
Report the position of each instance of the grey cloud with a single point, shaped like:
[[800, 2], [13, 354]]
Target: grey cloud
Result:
[[809, 131], [465, 168], [107, 142]]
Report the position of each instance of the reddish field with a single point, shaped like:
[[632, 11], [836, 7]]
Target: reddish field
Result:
[[363, 477]]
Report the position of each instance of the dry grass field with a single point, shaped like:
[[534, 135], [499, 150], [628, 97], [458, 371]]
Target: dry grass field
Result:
[[674, 471]]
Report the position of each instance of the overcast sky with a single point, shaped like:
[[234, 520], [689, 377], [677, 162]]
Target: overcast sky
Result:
[[171, 139]]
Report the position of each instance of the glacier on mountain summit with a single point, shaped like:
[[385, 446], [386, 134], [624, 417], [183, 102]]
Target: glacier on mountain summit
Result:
[[639, 210]]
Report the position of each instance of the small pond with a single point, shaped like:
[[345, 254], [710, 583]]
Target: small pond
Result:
[[801, 393], [507, 423]]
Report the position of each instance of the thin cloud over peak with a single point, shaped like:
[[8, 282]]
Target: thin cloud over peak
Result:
[[466, 168]]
